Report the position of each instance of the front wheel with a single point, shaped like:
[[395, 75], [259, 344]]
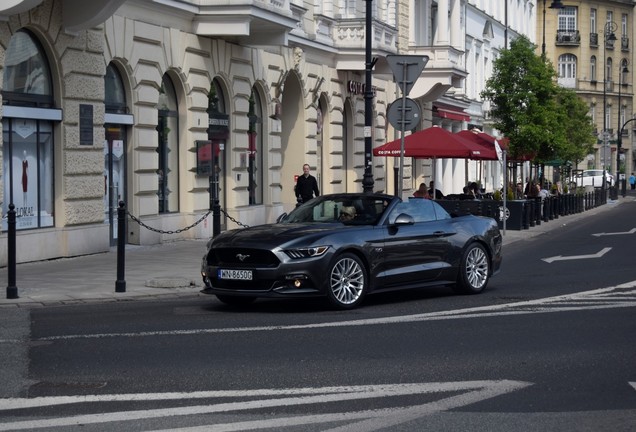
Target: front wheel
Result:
[[347, 282], [474, 270]]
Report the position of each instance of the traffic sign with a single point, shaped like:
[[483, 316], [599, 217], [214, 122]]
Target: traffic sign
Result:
[[405, 118], [406, 69]]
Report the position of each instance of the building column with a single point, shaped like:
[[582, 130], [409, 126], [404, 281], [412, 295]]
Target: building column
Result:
[[455, 24], [441, 36]]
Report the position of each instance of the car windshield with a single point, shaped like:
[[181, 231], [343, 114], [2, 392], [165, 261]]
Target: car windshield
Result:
[[349, 210]]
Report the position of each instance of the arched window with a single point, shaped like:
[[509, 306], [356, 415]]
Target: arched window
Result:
[[27, 72], [214, 151], [116, 122], [567, 70], [624, 72], [115, 95], [28, 135], [608, 71], [593, 68], [567, 66], [255, 151], [168, 148]]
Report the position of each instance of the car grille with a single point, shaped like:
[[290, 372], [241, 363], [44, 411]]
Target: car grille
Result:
[[232, 257], [236, 285]]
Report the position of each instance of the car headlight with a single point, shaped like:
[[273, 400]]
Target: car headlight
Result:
[[307, 252]]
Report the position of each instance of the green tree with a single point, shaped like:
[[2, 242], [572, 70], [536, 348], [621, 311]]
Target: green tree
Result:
[[524, 104], [539, 117], [578, 126]]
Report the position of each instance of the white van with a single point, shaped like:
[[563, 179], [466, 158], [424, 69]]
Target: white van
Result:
[[594, 178]]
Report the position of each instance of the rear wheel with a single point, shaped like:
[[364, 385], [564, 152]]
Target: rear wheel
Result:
[[474, 270], [235, 300], [347, 282]]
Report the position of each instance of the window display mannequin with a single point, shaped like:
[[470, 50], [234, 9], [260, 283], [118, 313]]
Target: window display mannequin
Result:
[[25, 179]]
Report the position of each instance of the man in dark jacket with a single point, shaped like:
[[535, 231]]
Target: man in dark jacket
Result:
[[434, 193], [306, 186]]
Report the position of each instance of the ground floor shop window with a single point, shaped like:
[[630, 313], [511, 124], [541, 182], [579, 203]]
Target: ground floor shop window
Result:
[[27, 155]]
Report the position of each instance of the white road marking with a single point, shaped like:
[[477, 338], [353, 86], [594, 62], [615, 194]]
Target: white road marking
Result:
[[598, 254], [619, 296], [631, 231], [471, 392]]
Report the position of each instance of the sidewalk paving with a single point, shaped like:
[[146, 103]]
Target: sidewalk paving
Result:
[[157, 271]]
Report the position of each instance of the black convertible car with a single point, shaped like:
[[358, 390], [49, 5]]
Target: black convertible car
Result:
[[345, 246]]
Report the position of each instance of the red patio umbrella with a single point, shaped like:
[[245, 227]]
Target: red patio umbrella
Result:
[[433, 142], [504, 143], [481, 140]]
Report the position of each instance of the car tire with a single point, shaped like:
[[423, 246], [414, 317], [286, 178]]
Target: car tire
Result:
[[474, 270], [231, 300], [347, 281]]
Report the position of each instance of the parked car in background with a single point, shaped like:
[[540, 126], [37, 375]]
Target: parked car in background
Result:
[[344, 246], [594, 177]]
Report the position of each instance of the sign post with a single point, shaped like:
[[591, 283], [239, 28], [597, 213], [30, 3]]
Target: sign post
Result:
[[406, 70]]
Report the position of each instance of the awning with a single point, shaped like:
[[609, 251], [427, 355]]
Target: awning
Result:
[[450, 113], [434, 142]]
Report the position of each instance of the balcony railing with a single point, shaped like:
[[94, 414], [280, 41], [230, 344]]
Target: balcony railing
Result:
[[567, 82], [350, 33], [594, 39], [568, 37]]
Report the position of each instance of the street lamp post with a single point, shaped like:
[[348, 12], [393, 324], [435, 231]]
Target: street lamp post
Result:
[[367, 180], [619, 139], [608, 36], [556, 4]]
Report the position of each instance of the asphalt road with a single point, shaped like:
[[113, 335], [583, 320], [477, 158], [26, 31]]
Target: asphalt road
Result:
[[550, 346]]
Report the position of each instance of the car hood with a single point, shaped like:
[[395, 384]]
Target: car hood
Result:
[[275, 234]]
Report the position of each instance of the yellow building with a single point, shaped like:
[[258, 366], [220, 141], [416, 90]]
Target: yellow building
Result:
[[590, 45]]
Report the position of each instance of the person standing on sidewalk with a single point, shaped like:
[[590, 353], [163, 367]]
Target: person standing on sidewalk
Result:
[[632, 182], [306, 186]]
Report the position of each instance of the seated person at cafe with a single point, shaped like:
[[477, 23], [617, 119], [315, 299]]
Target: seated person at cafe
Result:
[[435, 192], [422, 192], [467, 193], [474, 189]]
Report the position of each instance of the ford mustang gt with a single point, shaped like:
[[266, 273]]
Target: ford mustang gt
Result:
[[343, 247]]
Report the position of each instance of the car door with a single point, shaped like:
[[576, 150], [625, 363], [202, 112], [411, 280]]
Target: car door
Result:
[[414, 253]]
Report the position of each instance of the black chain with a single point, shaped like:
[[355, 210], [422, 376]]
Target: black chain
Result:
[[241, 224], [134, 218]]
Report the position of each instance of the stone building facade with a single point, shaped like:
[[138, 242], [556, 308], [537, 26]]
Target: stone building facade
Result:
[[171, 107], [590, 44], [121, 111]]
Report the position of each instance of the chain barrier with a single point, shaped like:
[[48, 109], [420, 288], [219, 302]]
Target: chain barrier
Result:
[[241, 224], [134, 218]]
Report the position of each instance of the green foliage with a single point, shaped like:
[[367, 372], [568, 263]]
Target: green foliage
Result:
[[577, 125], [496, 195], [528, 107]]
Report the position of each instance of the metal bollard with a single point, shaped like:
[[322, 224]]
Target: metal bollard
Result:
[[120, 284], [12, 289]]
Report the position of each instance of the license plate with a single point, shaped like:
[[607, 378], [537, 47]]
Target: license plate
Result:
[[235, 274]]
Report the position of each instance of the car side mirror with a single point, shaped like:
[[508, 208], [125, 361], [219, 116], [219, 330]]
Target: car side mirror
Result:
[[281, 218], [404, 219]]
